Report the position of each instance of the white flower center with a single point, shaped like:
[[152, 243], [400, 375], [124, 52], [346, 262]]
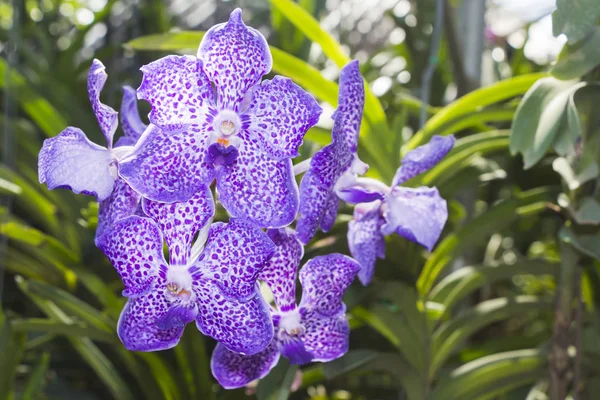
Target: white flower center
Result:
[[179, 284], [227, 123], [290, 322]]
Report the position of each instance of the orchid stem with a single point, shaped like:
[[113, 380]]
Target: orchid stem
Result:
[[302, 166]]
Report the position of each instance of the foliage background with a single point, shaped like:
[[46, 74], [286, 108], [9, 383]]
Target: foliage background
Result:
[[504, 308]]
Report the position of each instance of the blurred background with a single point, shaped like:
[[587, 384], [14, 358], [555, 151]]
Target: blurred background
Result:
[[478, 318]]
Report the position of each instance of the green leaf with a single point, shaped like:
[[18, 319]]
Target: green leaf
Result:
[[451, 334], [497, 217], [76, 329], [12, 345], [37, 379], [538, 117], [586, 243], [584, 123], [494, 372], [588, 212], [277, 385], [164, 376], [575, 18], [573, 179], [576, 60], [194, 362], [348, 362], [470, 103]]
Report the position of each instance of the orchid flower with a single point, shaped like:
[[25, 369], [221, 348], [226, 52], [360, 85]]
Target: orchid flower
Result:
[[315, 330], [243, 133], [417, 214], [333, 170]]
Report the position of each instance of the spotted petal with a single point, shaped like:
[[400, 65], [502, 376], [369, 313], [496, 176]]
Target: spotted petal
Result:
[[280, 114], [233, 370], [280, 271], [258, 188], [423, 158], [132, 125], [167, 166], [324, 280], [325, 337], [180, 222], [71, 161], [234, 255], [235, 58], [243, 327], [138, 326], [122, 203], [106, 116], [134, 247], [365, 240], [178, 91], [317, 196], [417, 214], [351, 99]]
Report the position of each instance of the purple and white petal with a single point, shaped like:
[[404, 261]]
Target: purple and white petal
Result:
[[71, 161], [280, 114], [168, 167], [243, 327], [178, 91], [325, 337], [258, 188], [317, 188], [233, 370], [179, 222], [324, 280], [365, 241], [417, 214], [351, 99], [138, 326], [357, 194], [122, 203], [107, 117], [280, 271], [292, 347], [235, 58], [330, 213], [423, 158], [234, 255], [132, 125], [134, 247]]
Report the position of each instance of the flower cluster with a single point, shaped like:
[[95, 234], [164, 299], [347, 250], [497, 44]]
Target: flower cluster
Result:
[[215, 121]]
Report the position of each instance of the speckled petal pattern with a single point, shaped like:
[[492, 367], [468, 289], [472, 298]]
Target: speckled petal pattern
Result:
[[122, 203], [258, 188], [235, 58], [243, 327], [351, 99], [138, 329], [365, 240], [107, 117], [234, 255], [167, 166], [280, 271], [325, 337], [71, 161], [281, 113], [179, 222], [134, 247], [132, 125], [324, 280], [179, 92], [233, 370], [417, 214], [423, 158]]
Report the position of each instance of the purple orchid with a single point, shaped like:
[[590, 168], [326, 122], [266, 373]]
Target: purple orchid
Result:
[[333, 169], [70, 160], [215, 286], [417, 214], [316, 330], [243, 133]]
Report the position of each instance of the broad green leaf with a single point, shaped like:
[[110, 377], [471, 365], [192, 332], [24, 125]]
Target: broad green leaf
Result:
[[453, 333], [194, 362], [584, 123], [575, 18], [576, 60], [470, 103], [12, 345], [277, 385], [573, 179], [586, 243], [464, 281], [76, 329], [50, 121], [491, 373], [348, 362], [164, 376], [37, 379], [588, 212], [497, 217], [538, 117]]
